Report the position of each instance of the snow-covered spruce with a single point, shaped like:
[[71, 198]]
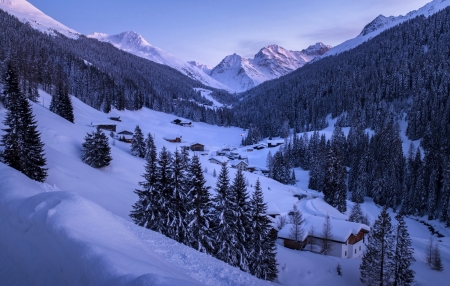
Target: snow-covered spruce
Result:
[[23, 148], [96, 151], [137, 143]]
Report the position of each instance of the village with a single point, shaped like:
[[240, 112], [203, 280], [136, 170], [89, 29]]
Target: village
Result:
[[347, 239]]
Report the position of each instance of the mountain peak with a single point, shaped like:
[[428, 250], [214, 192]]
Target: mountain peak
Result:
[[27, 13]]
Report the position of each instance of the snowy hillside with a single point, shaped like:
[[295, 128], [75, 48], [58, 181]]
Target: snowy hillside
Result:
[[134, 43], [269, 63], [382, 23], [78, 226], [27, 13]]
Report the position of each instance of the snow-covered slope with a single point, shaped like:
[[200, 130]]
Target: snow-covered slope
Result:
[[27, 13], [134, 43], [270, 62], [75, 229], [382, 23]]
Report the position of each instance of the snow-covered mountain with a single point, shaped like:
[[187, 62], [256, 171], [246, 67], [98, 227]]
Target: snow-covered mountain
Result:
[[134, 43], [270, 62], [27, 13], [382, 23]]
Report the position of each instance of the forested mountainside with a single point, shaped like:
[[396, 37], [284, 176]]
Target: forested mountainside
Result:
[[99, 74], [403, 71]]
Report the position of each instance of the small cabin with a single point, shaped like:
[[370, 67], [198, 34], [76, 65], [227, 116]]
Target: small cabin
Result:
[[125, 136], [109, 127], [274, 142], [197, 147], [115, 118], [173, 138]]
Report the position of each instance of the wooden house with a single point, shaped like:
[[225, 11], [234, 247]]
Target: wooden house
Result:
[[125, 136], [347, 239], [274, 142], [197, 147], [173, 138], [109, 127]]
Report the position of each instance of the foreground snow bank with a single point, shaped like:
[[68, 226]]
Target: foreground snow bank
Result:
[[60, 238]]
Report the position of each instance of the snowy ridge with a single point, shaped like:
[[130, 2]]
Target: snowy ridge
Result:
[[269, 63], [135, 44], [27, 13], [382, 23]]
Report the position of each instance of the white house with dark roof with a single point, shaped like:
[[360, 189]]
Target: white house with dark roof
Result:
[[239, 164], [347, 240]]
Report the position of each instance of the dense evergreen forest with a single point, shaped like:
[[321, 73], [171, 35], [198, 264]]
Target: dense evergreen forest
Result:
[[401, 74]]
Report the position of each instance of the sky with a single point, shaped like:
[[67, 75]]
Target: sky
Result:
[[208, 30]]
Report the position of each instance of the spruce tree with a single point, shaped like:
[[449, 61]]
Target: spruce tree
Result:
[[224, 220], [403, 255], [199, 236], [177, 211], [262, 255], [145, 210], [242, 214], [437, 261], [137, 143], [377, 265], [164, 187], [356, 214], [334, 190], [61, 103], [23, 148], [96, 151]]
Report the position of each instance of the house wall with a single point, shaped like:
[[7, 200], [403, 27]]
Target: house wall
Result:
[[356, 250]]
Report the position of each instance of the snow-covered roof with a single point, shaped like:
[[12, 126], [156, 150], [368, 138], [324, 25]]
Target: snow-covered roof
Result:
[[275, 141], [172, 136], [125, 132], [220, 159], [272, 209], [236, 162], [340, 229], [195, 143]]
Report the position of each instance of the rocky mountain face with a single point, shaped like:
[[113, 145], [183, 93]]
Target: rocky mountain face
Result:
[[269, 63]]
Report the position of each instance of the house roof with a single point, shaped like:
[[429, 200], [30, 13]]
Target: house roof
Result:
[[236, 162], [340, 229], [125, 132], [196, 143], [172, 136], [272, 209], [220, 159]]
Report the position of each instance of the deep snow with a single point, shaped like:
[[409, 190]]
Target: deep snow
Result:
[[76, 228]]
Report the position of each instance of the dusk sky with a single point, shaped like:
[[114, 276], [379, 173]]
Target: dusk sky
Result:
[[209, 30]]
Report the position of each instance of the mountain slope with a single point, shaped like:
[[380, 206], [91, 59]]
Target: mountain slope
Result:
[[382, 23], [27, 13], [269, 63], [134, 43]]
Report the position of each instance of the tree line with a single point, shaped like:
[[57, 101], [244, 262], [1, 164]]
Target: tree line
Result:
[[231, 226]]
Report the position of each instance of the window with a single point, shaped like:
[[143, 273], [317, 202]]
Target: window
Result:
[[360, 248], [346, 253], [355, 250]]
